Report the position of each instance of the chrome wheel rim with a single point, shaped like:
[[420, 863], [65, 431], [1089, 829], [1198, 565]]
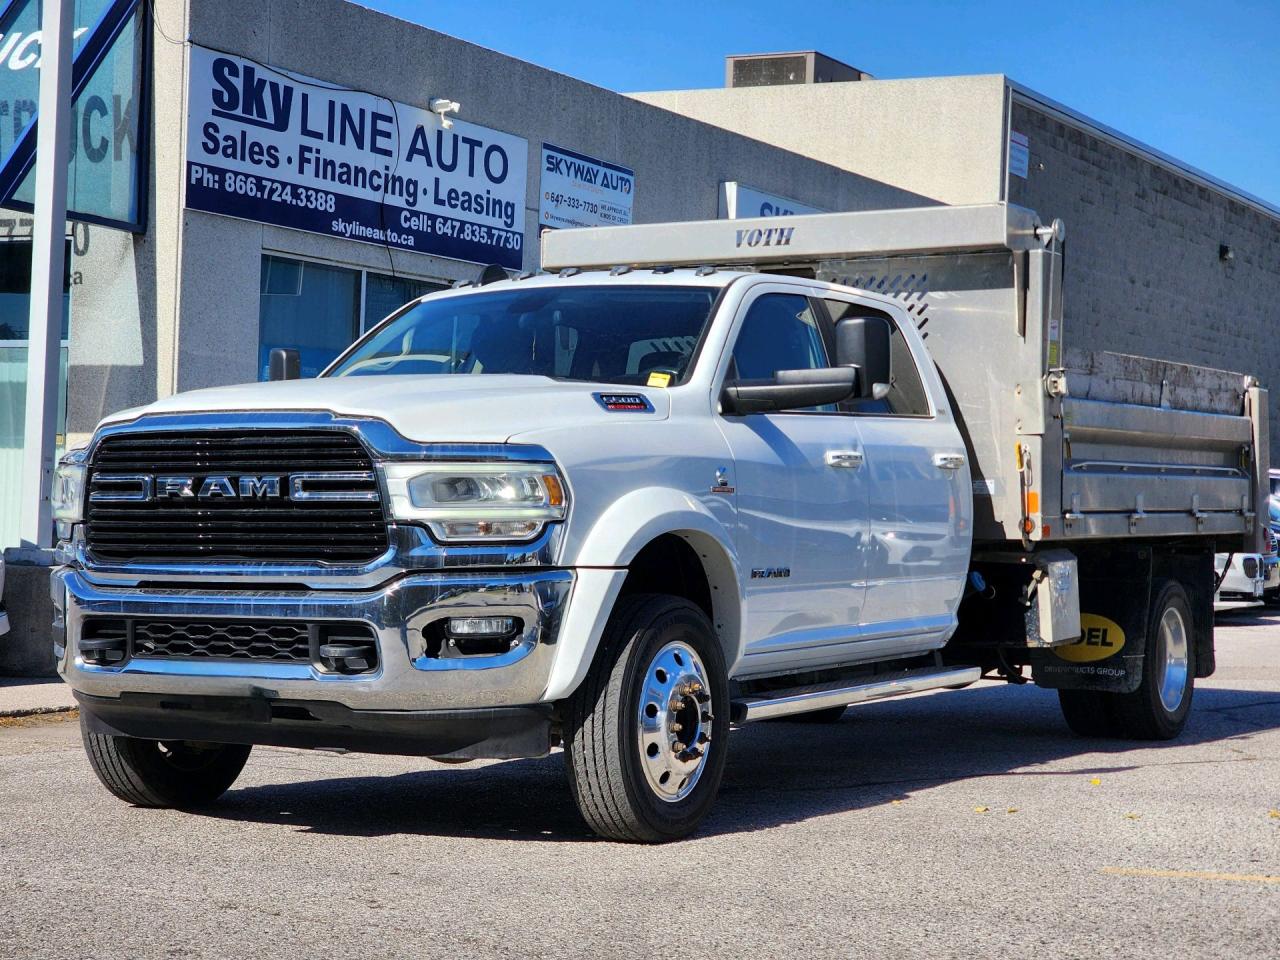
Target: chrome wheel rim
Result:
[[1173, 669], [674, 722]]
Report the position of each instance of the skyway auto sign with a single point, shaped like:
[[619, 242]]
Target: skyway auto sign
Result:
[[581, 191], [276, 148]]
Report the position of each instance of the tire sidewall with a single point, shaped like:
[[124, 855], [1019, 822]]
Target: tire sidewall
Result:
[[1168, 723], [678, 621]]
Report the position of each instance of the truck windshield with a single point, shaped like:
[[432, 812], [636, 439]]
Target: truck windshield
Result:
[[612, 333]]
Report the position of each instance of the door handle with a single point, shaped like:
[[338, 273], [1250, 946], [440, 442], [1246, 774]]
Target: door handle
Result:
[[849, 459], [948, 461]]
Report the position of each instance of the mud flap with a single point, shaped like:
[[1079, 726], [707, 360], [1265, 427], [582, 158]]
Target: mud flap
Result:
[[1115, 602]]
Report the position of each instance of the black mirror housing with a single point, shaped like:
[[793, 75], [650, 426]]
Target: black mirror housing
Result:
[[863, 342], [789, 390], [284, 364]]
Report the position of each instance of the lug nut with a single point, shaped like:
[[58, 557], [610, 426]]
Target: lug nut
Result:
[[703, 738], [677, 746], [676, 727]]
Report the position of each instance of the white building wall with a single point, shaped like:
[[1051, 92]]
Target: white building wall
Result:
[[938, 137]]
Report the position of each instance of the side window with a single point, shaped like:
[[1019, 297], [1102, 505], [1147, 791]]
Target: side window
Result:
[[779, 332], [907, 396]]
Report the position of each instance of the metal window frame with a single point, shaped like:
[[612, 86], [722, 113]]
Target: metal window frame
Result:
[[98, 44]]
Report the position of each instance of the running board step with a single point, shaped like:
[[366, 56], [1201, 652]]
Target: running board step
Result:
[[782, 703]]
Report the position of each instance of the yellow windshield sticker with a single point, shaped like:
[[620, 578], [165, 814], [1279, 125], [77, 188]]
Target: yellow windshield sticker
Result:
[[658, 379]]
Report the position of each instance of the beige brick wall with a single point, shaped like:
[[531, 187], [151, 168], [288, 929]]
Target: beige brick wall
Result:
[[1143, 274]]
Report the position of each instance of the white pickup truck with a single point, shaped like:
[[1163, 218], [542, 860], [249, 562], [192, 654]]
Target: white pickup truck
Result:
[[700, 474]]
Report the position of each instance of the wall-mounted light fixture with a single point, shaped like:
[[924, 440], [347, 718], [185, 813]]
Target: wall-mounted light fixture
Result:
[[442, 107], [1225, 253]]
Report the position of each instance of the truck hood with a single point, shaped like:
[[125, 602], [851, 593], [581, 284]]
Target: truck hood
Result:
[[427, 409]]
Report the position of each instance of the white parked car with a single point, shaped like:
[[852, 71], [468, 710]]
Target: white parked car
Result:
[[1241, 577]]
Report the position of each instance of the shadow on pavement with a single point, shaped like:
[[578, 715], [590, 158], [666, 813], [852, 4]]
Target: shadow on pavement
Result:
[[777, 773], [1248, 615]]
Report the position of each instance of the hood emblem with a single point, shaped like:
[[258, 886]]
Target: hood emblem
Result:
[[624, 402]]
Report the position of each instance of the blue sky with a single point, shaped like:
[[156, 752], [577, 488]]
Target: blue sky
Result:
[[1199, 81]]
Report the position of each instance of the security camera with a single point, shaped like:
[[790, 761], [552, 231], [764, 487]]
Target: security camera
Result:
[[442, 107]]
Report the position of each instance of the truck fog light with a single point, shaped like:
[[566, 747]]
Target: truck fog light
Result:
[[481, 626]]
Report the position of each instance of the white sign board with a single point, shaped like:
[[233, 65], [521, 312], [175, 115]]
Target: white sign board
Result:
[[580, 191], [1019, 154], [739, 202], [276, 148]]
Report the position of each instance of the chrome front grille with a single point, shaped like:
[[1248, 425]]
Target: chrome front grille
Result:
[[300, 496]]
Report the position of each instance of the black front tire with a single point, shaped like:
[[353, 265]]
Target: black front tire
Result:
[[603, 726], [152, 773]]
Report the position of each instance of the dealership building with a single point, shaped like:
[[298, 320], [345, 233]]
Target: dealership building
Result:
[[284, 173]]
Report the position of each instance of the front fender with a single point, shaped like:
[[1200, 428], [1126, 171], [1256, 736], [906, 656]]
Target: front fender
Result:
[[638, 518], [618, 535]]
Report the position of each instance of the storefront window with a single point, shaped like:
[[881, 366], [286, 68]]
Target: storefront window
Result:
[[310, 307], [15, 303], [384, 295], [319, 310], [107, 149]]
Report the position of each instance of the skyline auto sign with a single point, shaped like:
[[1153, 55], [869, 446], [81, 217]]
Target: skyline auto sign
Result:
[[276, 148]]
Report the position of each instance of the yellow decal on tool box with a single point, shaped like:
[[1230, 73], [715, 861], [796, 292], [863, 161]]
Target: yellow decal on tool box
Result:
[[1099, 638]]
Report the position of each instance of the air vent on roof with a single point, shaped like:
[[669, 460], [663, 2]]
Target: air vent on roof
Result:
[[778, 69]]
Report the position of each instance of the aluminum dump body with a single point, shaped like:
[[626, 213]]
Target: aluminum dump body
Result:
[[1066, 443]]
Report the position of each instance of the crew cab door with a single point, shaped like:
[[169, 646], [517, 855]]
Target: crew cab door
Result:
[[915, 468], [801, 504]]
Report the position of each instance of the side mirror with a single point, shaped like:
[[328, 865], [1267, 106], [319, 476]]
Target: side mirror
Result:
[[284, 364], [789, 390], [863, 342]]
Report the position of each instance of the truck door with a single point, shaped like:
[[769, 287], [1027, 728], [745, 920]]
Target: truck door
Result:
[[801, 510], [919, 501]]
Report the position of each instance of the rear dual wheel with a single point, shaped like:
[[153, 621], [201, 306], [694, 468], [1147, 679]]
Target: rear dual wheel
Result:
[[1158, 709]]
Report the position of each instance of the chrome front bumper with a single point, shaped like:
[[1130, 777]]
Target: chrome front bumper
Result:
[[406, 678]]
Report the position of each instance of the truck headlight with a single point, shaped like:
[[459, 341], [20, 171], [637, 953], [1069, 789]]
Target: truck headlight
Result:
[[477, 501], [67, 496]]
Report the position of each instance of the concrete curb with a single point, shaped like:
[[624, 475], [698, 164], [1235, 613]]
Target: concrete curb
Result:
[[28, 712], [31, 698]]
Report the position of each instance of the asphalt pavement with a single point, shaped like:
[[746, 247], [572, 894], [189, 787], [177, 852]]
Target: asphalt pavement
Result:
[[962, 824]]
